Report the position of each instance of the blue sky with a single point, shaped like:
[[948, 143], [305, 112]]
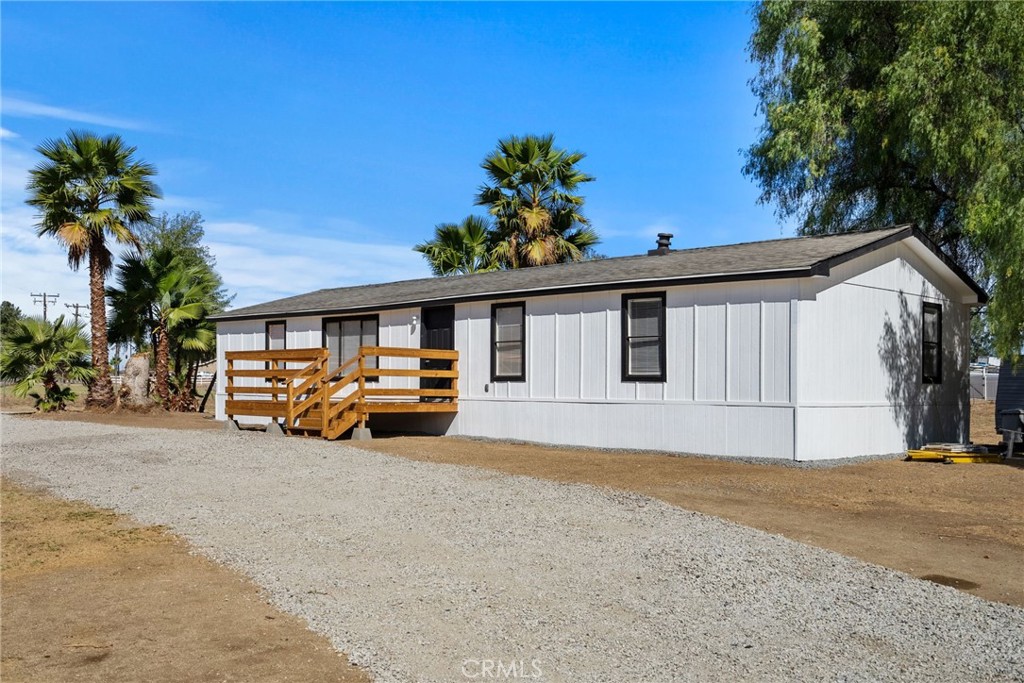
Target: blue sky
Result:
[[322, 141]]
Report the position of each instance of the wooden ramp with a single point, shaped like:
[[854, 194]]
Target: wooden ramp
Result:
[[298, 389]]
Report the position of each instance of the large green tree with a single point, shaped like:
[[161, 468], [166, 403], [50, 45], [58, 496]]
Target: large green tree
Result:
[[459, 248], [888, 112], [182, 235], [161, 297], [89, 189], [37, 352], [531, 195], [9, 317]]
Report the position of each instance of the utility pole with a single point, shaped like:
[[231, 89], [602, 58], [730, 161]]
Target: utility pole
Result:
[[76, 308], [44, 298]]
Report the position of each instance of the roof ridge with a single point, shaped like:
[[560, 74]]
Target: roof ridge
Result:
[[461, 276], [797, 238], [746, 260]]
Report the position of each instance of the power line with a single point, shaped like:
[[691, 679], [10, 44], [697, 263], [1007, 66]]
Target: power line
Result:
[[76, 308], [44, 298]]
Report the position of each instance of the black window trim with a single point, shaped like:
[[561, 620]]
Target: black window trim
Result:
[[266, 332], [624, 338], [495, 377], [925, 377], [266, 340], [340, 319]]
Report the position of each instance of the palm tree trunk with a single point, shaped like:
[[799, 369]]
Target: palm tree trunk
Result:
[[101, 390], [50, 389], [163, 357]]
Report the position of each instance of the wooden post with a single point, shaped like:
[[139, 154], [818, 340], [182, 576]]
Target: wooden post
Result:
[[325, 402], [362, 389], [230, 374], [455, 380], [289, 408], [274, 367]]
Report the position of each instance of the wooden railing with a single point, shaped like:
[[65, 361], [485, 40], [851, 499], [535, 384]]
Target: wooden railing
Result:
[[312, 397]]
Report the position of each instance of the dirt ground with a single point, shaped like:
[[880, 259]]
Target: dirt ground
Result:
[[89, 596]]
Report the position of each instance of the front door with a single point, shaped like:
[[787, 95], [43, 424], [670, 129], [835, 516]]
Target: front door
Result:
[[437, 331]]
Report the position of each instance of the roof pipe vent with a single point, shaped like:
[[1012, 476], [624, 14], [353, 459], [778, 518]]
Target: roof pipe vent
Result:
[[664, 244]]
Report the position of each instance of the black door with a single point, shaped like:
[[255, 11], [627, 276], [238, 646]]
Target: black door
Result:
[[437, 331]]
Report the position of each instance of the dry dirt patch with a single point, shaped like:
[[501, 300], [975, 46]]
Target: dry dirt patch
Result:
[[87, 595]]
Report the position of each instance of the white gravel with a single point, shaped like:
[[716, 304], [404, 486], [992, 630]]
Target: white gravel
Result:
[[425, 572]]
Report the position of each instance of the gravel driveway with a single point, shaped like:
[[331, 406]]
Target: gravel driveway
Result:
[[425, 572]]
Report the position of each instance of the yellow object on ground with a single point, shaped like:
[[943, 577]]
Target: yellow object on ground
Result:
[[949, 453]]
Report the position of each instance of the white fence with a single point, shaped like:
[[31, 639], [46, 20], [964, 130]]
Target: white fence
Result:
[[985, 383]]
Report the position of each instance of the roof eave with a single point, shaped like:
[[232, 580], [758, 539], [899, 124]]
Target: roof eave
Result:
[[644, 283], [824, 267]]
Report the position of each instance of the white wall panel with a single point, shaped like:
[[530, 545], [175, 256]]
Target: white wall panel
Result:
[[542, 353], [473, 340], [775, 365], [744, 342], [711, 352], [746, 431], [679, 348], [567, 347], [860, 385], [617, 389], [594, 352]]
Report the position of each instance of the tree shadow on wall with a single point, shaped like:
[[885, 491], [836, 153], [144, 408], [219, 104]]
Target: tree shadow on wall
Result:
[[924, 412]]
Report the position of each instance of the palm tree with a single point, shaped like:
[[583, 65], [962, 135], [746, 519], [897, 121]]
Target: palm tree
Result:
[[89, 188], [459, 249], [39, 352], [538, 218], [158, 296]]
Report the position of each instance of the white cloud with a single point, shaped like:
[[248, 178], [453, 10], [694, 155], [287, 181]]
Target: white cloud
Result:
[[257, 263], [35, 265], [30, 264], [7, 134], [261, 264], [17, 160], [14, 106], [658, 226], [172, 203]]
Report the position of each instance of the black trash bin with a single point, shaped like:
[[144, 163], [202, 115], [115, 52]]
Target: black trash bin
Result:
[[1011, 424]]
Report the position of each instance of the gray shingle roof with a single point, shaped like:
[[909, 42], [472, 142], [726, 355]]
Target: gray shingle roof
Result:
[[792, 257]]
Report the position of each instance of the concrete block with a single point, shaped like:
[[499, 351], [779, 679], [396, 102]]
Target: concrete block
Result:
[[274, 429], [230, 426], [361, 434]]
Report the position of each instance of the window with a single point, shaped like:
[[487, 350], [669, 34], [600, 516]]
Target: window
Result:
[[643, 337], [931, 343], [344, 336], [275, 335], [508, 337]]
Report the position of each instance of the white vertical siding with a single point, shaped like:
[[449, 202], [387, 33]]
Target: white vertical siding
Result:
[[568, 321], [680, 349], [574, 393], [543, 357], [859, 381], [594, 347], [816, 368], [776, 351], [745, 351], [711, 352]]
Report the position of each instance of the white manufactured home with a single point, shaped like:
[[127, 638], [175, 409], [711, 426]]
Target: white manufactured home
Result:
[[800, 349]]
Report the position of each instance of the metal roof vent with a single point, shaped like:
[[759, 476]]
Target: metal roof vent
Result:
[[664, 244]]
